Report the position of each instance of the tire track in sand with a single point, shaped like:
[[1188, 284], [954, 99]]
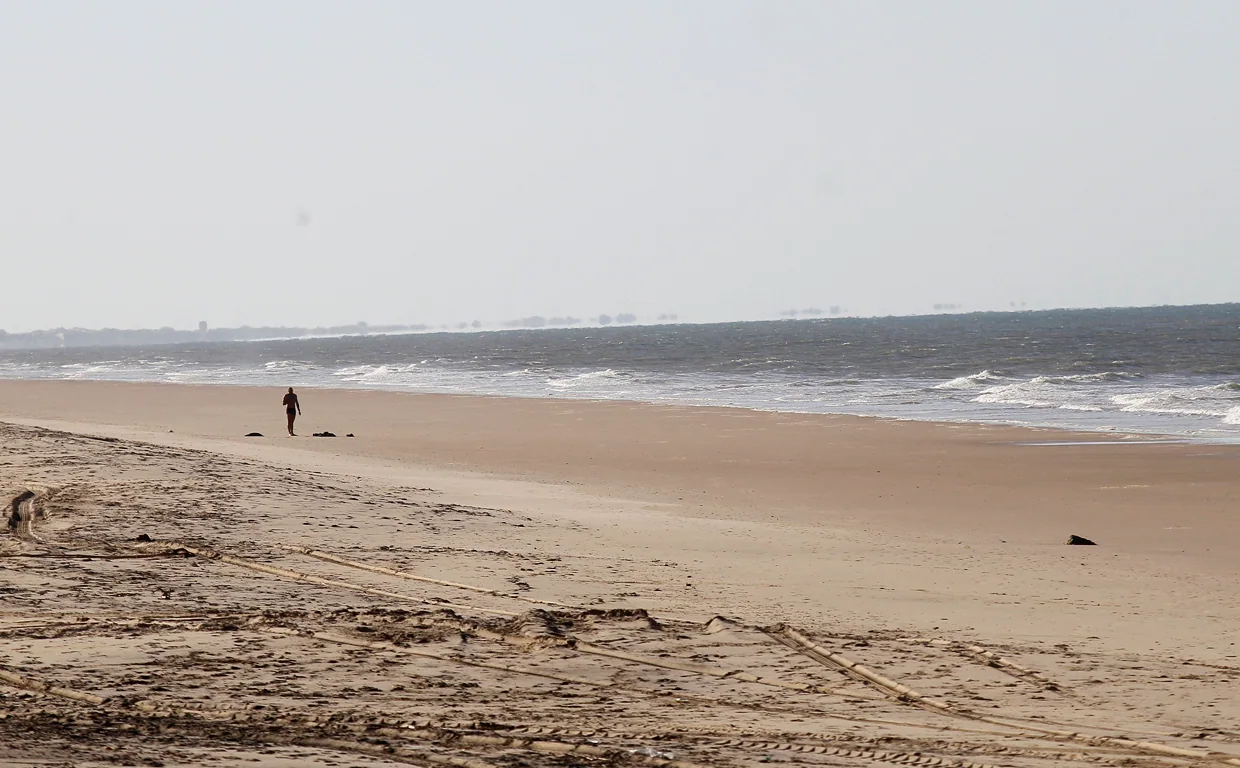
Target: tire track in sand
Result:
[[456, 735], [439, 736], [568, 643], [783, 634], [903, 693]]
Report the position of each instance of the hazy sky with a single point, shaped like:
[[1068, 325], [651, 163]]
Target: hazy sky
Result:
[[315, 163]]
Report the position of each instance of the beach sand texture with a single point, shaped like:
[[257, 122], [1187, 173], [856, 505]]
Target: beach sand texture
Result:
[[491, 582]]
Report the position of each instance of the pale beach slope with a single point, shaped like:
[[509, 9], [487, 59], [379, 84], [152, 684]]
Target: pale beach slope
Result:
[[494, 580]]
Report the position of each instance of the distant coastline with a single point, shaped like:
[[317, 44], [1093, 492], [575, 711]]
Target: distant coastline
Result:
[[113, 337], [60, 338]]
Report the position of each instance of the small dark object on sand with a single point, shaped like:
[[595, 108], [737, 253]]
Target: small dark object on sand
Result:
[[324, 434], [1074, 539], [349, 435], [253, 434], [143, 537]]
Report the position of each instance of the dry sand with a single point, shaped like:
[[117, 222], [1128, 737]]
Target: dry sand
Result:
[[502, 582]]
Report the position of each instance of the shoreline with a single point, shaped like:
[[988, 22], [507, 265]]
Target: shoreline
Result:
[[713, 462], [933, 414], [1120, 434]]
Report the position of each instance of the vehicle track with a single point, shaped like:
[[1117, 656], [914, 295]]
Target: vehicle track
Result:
[[993, 660], [285, 728], [271, 570], [330, 558], [786, 636], [457, 659], [1124, 746], [905, 694], [782, 634], [568, 643], [437, 735], [458, 735], [153, 708]]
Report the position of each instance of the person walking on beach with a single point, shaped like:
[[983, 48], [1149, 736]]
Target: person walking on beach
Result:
[[292, 409]]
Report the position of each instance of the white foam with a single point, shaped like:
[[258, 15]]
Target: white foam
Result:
[[1194, 401], [582, 378], [975, 381], [286, 365], [1037, 392], [1092, 378], [1180, 404], [1090, 392]]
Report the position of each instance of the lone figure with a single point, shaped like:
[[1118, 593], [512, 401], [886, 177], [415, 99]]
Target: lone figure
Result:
[[292, 409]]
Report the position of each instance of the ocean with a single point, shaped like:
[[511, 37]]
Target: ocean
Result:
[[1160, 370]]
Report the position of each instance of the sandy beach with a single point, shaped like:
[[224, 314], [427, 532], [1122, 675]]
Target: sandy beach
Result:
[[487, 581]]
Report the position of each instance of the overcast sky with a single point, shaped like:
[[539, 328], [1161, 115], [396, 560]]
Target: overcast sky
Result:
[[317, 163]]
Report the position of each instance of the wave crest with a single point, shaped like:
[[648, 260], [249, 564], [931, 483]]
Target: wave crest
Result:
[[974, 381]]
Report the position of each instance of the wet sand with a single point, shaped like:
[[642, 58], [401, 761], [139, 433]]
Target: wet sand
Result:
[[593, 543]]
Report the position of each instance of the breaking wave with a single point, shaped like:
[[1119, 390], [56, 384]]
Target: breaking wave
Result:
[[1168, 370], [974, 381]]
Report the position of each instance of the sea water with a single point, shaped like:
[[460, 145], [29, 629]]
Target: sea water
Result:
[[1161, 370]]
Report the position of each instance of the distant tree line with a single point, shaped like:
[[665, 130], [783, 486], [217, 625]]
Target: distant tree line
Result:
[[115, 337], [112, 337]]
